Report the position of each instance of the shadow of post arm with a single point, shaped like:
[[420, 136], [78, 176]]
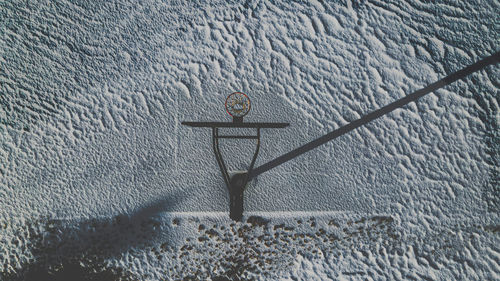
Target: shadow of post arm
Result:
[[495, 58]]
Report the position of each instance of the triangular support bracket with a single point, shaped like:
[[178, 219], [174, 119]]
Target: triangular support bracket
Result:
[[237, 182]]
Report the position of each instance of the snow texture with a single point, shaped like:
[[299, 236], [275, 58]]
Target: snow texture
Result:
[[99, 178]]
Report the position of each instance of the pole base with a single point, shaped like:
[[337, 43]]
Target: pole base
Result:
[[238, 183]]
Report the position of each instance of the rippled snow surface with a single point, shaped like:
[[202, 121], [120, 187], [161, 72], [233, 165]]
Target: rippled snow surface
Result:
[[100, 181]]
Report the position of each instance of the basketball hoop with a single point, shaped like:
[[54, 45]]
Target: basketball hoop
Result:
[[237, 105]]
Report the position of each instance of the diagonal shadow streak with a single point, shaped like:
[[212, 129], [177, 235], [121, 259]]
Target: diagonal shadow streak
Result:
[[495, 58]]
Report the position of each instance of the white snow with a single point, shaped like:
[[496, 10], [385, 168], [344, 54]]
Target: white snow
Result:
[[96, 167]]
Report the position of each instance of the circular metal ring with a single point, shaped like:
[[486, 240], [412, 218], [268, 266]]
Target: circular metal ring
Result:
[[237, 104]]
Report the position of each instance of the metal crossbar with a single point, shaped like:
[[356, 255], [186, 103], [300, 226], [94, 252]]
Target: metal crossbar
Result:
[[235, 124], [238, 137]]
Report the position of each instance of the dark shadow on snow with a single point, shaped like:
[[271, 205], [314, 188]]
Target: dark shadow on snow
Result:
[[76, 250]]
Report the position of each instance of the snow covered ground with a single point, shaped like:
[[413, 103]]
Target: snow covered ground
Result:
[[99, 178]]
